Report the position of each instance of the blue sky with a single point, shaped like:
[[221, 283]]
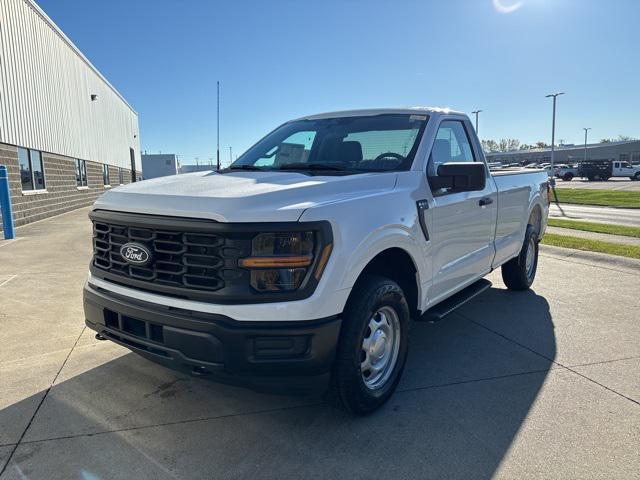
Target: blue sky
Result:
[[278, 60]]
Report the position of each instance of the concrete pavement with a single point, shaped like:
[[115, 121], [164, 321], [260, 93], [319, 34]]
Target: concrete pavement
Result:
[[537, 384], [592, 213], [620, 184]]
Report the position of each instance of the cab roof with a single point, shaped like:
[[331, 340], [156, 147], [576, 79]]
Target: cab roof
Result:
[[381, 111]]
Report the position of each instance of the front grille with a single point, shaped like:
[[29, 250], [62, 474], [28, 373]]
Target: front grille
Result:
[[179, 259], [194, 259]]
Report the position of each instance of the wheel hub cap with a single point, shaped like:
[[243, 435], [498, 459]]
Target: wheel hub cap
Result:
[[530, 257], [380, 347]]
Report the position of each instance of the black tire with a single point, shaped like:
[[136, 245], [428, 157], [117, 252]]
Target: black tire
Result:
[[515, 273], [636, 177], [348, 390], [567, 177], [590, 178]]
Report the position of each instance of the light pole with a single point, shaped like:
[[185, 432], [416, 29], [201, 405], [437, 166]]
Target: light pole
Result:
[[230, 155], [476, 112], [585, 142], [218, 125], [553, 126]]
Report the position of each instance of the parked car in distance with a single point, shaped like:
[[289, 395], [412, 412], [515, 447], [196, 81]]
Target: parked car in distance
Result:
[[303, 263], [566, 172]]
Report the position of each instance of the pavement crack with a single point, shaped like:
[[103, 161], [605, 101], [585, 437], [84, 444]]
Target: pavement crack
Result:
[[176, 422], [549, 359], [24, 432], [474, 380]]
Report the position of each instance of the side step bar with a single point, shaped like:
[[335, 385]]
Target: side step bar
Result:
[[444, 308]]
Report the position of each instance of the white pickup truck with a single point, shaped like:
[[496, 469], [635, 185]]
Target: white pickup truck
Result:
[[303, 262]]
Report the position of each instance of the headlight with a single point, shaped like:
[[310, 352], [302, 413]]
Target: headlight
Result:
[[280, 261]]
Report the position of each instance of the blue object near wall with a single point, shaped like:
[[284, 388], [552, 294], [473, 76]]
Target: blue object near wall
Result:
[[5, 205]]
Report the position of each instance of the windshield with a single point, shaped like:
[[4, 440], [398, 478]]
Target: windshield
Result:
[[347, 144]]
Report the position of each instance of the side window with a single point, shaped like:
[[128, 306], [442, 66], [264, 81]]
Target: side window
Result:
[[293, 149], [31, 169], [81, 173], [451, 145], [25, 169], [105, 175]]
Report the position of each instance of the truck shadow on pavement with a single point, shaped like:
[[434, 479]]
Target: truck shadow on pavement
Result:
[[469, 385]]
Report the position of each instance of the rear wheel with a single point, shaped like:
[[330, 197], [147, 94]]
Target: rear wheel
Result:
[[519, 272], [567, 177], [373, 346]]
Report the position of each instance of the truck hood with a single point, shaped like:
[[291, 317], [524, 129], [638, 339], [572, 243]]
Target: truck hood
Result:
[[241, 196]]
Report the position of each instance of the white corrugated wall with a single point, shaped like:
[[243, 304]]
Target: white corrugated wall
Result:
[[45, 93]]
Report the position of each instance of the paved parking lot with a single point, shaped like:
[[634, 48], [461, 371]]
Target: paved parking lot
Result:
[[540, 384], [623, 184]]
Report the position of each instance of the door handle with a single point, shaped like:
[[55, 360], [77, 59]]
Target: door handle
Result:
[[485, 201]]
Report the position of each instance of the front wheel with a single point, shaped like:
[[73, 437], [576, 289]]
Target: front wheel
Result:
[[567, 177], [636, 177], [519, 272], [372, 349]]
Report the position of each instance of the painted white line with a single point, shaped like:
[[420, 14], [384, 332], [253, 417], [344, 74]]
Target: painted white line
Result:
[[8, 280], [11, 241]]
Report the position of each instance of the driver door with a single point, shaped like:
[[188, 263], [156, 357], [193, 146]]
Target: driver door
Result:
[[463, 222]]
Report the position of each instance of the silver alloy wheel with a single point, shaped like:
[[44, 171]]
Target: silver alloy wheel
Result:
[[380, 347], [530, 258]]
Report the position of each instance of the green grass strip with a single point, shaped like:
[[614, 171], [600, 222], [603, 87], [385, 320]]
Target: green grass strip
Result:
[[623, 230], [631, 251], [606, 198]]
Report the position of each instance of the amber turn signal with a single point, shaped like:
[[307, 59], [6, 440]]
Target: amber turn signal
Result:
[[276, 262]]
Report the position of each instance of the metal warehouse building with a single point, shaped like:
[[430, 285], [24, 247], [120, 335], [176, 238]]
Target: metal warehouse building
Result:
[[627, 151], [66, 134]]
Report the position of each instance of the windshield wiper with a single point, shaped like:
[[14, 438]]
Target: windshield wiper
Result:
[[310, 166], [244, 167]]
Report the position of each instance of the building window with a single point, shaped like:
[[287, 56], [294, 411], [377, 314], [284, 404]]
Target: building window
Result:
[[31, 169], [105, 175], [81, 173], [120, 175]]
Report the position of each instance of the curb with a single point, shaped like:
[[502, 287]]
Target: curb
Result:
[[613, 260]]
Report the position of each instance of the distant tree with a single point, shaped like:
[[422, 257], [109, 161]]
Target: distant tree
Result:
[[561, 141], [513, 144], [490, 146], [541, 144], [605, 140], [624, 138]]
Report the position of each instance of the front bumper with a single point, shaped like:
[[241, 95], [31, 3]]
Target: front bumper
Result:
[[284, 356]]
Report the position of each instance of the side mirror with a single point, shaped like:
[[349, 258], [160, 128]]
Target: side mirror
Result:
[[460, 176]]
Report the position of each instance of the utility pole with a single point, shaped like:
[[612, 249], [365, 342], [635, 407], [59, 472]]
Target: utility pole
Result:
[[585, 142], [476, 112], [553, 126], [218, 124]]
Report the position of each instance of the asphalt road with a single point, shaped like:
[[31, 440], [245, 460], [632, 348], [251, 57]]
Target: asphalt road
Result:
[[517, 385], [623, 184], [621, 216]]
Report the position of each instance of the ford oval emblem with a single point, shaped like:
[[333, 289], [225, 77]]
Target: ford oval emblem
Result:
[[135, 254]]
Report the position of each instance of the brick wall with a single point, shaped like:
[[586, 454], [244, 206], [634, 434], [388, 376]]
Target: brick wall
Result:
[[62, 194]]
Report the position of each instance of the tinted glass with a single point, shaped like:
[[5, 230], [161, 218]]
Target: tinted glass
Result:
[[38, 169], [105, 175], [352, 144], [78, 174], [451, 145], [25, 169]]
